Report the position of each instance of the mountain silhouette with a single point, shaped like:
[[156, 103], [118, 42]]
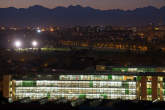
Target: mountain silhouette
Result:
[[78, 15]]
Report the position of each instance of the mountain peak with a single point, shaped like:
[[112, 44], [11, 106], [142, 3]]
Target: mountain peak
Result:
[[36, 7], [75, 6], [79, 15], [12, 8]]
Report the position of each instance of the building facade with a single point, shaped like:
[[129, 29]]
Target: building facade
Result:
[[97, 85]]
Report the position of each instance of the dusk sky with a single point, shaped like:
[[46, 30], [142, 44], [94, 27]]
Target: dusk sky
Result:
[[99, 4]]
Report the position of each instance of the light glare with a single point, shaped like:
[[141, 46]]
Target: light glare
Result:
[[39, 31], [34, 43], [18, 44]]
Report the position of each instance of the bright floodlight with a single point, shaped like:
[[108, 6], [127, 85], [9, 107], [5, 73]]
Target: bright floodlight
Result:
[[38, 30], [18, 44], [34, 43]]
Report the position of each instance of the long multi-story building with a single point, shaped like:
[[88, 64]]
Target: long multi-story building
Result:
[[114, 84]]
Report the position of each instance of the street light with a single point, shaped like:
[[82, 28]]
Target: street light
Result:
[[38, 30], [18, 44], [34, 43]]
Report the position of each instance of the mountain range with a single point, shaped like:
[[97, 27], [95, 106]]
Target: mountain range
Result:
[[78, 15]]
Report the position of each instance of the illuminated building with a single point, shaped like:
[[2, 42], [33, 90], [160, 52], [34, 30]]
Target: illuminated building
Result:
[[13, 28], [133, 85]]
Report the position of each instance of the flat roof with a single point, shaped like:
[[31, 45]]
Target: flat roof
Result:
[[55, 75]]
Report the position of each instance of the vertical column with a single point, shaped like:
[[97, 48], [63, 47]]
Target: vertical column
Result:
[[1, 85], [161, 90], [13, 90], [154, 87], [138, 90], [6, 86], [143, 88]]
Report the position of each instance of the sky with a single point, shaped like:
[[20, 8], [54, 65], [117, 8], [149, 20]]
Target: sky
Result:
[[98, 4]]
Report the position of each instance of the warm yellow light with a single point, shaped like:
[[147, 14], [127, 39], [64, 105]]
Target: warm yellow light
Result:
[[2, 28], [156, 28], [45, 65], [42, 30], [51, 30]]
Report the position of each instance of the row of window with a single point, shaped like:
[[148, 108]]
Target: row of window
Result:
[[95, 84], [74, 96], [97, 77], [74, 90], [134, 69], [106, 77]]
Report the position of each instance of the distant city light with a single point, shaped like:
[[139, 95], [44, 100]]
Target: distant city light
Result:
[[34, 43], [156, 28], [51, 30], [18, 44], [39, 31], [42, 30]]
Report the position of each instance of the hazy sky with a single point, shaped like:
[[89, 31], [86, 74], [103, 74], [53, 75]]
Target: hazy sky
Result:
[[99, 4]]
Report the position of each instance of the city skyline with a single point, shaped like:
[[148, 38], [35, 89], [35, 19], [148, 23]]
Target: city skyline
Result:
[[98, 4]]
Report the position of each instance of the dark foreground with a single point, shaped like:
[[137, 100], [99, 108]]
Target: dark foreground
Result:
[[88, 105]]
